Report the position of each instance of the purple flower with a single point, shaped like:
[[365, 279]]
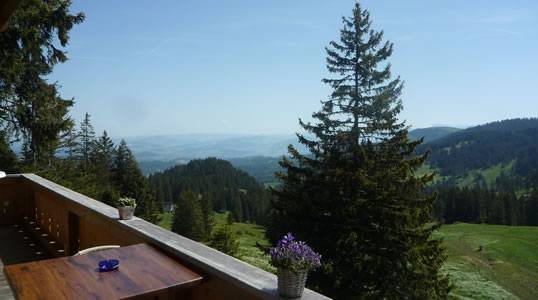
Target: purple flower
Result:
[[294, 255]]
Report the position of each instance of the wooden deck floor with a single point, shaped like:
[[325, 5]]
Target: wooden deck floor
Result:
[[17, 246]]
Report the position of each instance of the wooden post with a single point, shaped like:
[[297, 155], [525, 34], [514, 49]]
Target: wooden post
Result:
[[73, 234]]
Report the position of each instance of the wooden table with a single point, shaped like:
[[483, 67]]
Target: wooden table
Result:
[[143, 271]]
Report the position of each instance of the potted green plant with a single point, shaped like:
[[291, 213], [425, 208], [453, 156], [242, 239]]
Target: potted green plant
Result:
[[126, 207], [293, 260]]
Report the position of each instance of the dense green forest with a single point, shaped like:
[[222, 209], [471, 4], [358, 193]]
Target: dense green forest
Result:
[[487, 145], [226, 187], [477, 205]]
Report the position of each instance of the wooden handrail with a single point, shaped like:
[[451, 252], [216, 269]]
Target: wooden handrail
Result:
[[76, 222]]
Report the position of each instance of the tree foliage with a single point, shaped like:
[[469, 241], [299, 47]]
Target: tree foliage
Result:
[[487, 145], [478, 205], [354, 198], [188, 217], [28, 104], [219, 183], [225, 240], [130, 182]]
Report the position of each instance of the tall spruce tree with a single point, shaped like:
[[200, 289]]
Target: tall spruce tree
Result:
[[355, 199], [31, 46], [8, 158], [188, 217], [42, 118], [87, 140], [130, 182], [102, 155]]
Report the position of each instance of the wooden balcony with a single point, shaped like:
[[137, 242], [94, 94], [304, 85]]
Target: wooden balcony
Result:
[[64, 221]]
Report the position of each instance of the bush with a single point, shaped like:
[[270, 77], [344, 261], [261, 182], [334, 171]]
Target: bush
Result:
[[224, 240]]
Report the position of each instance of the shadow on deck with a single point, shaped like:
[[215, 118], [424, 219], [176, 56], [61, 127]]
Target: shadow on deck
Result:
[[17, 245]]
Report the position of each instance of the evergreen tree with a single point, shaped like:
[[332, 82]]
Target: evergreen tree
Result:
[[224, 240], [102, 155], [41, 120], [69, 142], [87, 138], [130, 182], [532, 208], [188, 217], [208, 215], [355, 199], [230, 219], [8, 159], [29, 52]]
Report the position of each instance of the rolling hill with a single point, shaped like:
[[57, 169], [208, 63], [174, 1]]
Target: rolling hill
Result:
[[506, 150], [217, 180], [256, 155], [503, 153], [193, 146]]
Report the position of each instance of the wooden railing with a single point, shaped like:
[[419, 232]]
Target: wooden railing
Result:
[[66, 221]]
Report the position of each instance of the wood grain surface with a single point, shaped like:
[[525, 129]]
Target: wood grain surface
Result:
[[144, 271]]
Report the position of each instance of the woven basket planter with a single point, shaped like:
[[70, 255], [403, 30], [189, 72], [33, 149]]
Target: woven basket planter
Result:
[[290, 284]]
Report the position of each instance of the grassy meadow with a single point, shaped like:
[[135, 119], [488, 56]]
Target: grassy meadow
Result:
[[506, 268], [248, 234]]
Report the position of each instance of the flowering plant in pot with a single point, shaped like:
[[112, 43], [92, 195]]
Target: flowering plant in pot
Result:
[[293, 259], [126, 207]]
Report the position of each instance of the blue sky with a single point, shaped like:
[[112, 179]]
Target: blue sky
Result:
[[254, 67]]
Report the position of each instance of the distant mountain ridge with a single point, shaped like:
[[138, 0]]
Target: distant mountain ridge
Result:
[[476, 155], [157, 153], [168, 148], [431, 133]]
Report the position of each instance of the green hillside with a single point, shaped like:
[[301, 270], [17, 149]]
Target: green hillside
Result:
[[226, 187], [496, 155], [506, 268], [248, 235]]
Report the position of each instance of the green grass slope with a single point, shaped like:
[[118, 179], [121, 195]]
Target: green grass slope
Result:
[[248, 235], [472, 177], [506, 268]]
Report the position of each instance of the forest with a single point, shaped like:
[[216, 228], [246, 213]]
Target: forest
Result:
[[486, 145], [477, 205], [227, 188]]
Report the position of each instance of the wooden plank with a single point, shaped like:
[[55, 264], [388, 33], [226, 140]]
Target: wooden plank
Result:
[[143, 271], [73, 225]]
